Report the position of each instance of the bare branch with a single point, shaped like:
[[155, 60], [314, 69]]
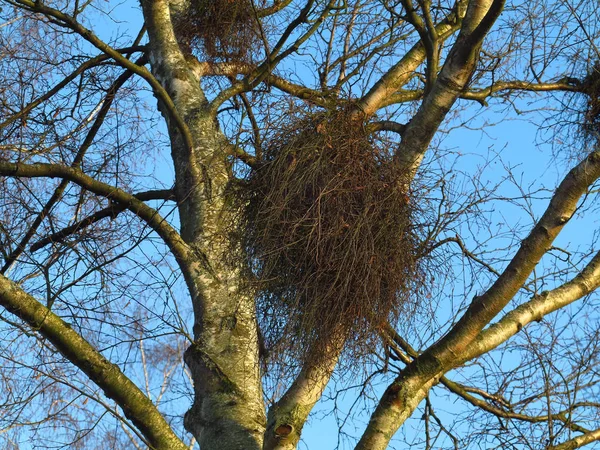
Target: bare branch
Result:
[[485, 307], [58, 192], [112, 211], [578, 441], [136, 406], [139, 208], [404, 69], [71, 23]]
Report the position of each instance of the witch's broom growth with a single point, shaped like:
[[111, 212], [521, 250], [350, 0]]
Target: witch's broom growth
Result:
[[220, 30], [327, 233]]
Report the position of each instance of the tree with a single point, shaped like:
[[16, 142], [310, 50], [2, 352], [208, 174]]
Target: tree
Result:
[[312, 205]]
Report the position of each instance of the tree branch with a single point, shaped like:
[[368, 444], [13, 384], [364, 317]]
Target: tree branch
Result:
[[206, 69], [111, 211], [483, 93], [485, 307], [263, 71], [408, 354], [278, 5], [149, 215], [449, 85], [412, 384], [136, 406], [404, 69], [58, 192], [71, 23], [387, 125], [287, 417], [578, 441], [24, 111], [539, 306]]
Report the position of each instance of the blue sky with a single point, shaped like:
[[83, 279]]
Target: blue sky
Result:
[[496, 138]]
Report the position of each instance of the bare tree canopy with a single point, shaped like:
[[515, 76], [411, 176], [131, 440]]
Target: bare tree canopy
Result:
[[218, 217]]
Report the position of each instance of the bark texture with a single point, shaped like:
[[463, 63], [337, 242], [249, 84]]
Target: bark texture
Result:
[[228, 410]]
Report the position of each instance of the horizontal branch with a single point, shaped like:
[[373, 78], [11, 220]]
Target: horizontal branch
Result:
[[111, 211], [402, 96], [480, 95], [149, 215], [229, 69], [387, 125], [137, 407]]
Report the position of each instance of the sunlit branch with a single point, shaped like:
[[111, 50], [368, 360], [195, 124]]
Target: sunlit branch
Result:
[[578, 442], [406, 353], [278, 5], [485, 307], [456, 72], [424, 372], [539, 306], [287, 417], [480, 95], [136, 406], [429, 37], [401, 72], [402, 96]]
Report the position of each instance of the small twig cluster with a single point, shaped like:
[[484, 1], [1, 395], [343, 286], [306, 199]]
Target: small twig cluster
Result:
[[223, 30], [327, 233], [591, 115]]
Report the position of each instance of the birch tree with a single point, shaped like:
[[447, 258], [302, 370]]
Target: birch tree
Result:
[[140, 278]]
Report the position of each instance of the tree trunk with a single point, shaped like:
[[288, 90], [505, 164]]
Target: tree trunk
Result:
[[228, 409]]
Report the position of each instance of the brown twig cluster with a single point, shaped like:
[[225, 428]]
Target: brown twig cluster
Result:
[[327, 232], [591, 115], [223, 30]]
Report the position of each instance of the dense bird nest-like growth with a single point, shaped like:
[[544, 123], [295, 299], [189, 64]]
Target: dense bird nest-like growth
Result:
[[327, 232], [221, 30]]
